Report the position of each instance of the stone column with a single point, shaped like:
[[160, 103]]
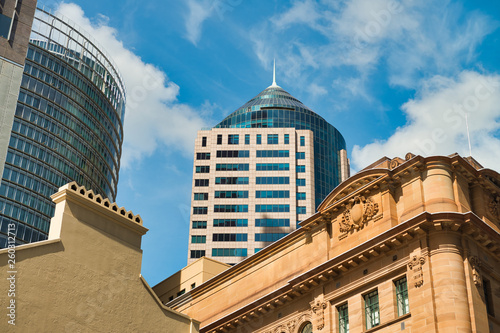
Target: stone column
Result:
[[438, 188], [449, 282]]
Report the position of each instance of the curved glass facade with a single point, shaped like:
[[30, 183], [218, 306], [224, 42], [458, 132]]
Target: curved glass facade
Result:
[[274, 107], [67, 126]]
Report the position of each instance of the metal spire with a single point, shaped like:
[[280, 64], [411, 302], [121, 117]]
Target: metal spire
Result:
[[274, 74], [274, 85]]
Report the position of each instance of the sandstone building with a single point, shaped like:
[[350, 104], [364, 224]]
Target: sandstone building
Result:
[[406, 245]]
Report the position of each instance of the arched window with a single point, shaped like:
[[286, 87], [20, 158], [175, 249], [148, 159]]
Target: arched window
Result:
[[307, 328]]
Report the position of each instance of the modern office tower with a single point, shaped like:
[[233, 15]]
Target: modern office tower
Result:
[[67, 126], [258, 173]]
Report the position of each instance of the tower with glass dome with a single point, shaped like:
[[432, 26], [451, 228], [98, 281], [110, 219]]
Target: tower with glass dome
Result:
[[258, 173]]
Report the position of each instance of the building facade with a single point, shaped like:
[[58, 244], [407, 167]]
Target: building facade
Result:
[[67, 126], [405, 245], [258, 173], [16, 19], [86, 277]]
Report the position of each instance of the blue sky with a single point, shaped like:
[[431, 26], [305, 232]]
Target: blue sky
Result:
[[392, 76]]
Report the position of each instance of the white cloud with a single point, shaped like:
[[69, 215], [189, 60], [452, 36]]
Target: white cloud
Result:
[[436, 121], [199, 11], [153, 118], [407, 37]]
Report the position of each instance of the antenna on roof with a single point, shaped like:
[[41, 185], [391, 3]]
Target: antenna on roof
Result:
[[468, 135], [274, 73], [274, 85]]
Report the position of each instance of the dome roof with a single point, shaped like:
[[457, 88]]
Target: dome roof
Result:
[[272, 97]]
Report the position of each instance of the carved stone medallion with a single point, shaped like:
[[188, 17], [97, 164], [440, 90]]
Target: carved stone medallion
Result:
[[415, 265], [319, 311], [495, 207], [357, 213]]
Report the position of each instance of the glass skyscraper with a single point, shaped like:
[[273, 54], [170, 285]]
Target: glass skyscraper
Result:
[[274, 107], [67, 126], [258, 173]]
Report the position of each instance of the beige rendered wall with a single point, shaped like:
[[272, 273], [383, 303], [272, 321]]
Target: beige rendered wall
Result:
[[195, 274], [86, 277]]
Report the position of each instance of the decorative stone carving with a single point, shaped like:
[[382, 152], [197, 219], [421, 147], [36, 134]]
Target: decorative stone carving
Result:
[[394, 163], [476, 275], [495, 207], [319, 311], [357, 213], [415, 265], [288, 326], [409, 156]]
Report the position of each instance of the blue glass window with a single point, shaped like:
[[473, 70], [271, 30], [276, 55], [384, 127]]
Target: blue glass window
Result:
[[200, 210], [272, 194], [233, 139], [272, 139], [300, 168], [272, 180], [198, 239], [229, 252], [232, 167], [301, 210], [300, 155], [273, 153], [269, 237], [201, 196], [272, 208], [230, 208], [272, 222], [231, 194], [272, 166], [199, 225], [202, 169], [230, 222], [233, 153], [231, 180], [197, 254], [229, 237]]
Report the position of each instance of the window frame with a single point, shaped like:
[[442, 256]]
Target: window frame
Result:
[[372, 309], [343, 317], [401, 292]]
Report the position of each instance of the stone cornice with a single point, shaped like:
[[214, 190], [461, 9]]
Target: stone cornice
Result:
[[400, 169]]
